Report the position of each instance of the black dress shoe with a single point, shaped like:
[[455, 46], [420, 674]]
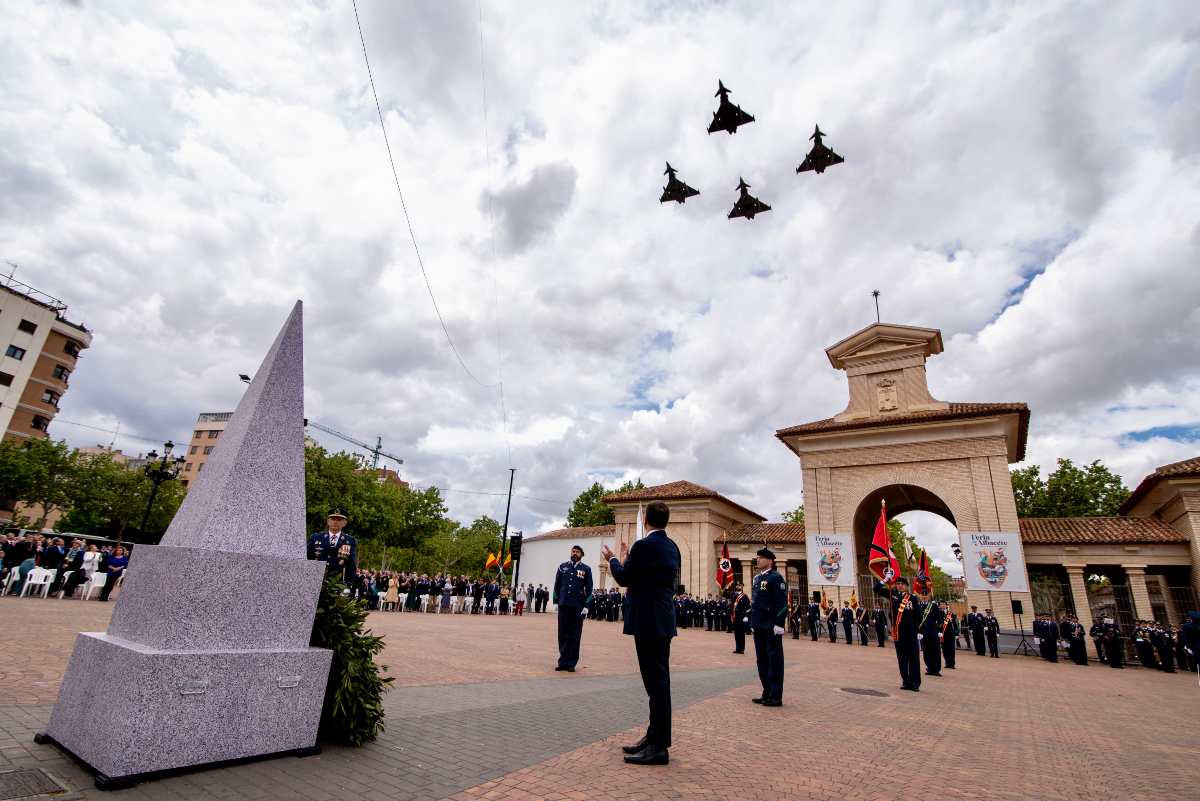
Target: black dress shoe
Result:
[[927, 673], [649, 756], [739, 652], [569, 670], [640, 745], [772, 702], [559, 667], [759, 700]]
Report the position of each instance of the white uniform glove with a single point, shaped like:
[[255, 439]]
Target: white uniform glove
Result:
[[745, 620], [920, 637], [778, 629], [583, 612]]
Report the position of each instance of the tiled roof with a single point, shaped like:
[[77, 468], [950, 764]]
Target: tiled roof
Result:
[[579, 533], [758, 533], [1087, 530], [1185, 469], [674, 491], [957, 411]]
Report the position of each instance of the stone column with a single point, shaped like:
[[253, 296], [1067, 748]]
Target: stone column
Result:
[[1083, 609], [1137, 588], [747, 575], [1173, 616]]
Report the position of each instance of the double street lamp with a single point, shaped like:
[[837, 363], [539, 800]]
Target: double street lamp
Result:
[[159, 471]]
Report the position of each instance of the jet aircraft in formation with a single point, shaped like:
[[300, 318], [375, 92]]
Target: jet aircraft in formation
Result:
[[728, 117]]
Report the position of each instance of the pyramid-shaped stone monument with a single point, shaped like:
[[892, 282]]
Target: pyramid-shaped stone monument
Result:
[[207, 655]]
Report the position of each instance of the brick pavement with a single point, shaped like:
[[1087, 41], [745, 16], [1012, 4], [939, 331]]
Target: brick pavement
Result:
[[479, 713]]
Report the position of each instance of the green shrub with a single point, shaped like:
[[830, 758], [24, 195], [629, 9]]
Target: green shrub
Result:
[[353, 708]]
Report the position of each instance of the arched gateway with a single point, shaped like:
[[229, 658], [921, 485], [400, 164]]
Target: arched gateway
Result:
[[895, 442]]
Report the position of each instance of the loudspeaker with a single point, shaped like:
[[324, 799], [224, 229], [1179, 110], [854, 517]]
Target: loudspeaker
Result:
[[1017, 608], [514, 545], [816, 596]]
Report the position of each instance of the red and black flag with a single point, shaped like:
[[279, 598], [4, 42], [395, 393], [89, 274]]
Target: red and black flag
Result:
[[882, 560], [923, 583], [724, 568]]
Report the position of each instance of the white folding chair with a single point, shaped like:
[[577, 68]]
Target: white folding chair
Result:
[[14, 575], [38, 580], [96, 582]]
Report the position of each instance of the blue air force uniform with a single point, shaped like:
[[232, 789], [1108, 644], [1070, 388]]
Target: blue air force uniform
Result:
[[572, 592], [768, 611], [338, 551]]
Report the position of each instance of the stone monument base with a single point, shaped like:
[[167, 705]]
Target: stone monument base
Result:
[[130, 712]]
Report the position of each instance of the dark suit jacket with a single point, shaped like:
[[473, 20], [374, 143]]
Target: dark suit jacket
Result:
[[649, 574]]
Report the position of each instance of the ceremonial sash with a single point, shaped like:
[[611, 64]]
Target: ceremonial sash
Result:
[[945, 623], [905, 602]]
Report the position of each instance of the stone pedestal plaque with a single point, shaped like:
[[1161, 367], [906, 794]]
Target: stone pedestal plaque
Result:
[[200, 663]]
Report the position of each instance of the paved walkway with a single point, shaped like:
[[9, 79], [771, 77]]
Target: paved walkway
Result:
[[478, 713]]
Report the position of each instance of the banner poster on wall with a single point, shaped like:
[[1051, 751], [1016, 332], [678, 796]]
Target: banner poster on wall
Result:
[[994, 560], [830, 559]]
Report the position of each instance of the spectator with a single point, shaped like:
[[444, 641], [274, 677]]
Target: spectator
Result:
[[114, 566]]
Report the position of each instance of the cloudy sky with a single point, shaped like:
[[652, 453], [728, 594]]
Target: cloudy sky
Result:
[[1026, 179]]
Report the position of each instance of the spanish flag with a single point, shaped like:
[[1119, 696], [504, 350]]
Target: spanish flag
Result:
[[507, 561], [854, 599], [491, 562]]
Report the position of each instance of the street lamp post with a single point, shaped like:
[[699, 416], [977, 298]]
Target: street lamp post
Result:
[[159, 471]]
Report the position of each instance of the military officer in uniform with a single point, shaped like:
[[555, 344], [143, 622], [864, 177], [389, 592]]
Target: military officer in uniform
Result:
[[931, 646], [768, 609], [991, 630], [848, 622], [814, 616], [794, 618], [860, 618], [740, 619], [572, 592], [907, 611], [975, 623], [948, 635], [881, 622], [831, 620], [337, 549]]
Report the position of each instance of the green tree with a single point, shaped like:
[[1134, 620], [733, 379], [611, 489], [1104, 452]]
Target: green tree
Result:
[[794, 516], [589, 508], [904, 545], [16, 472], [1070, 491], [48, 473], [107, 499]]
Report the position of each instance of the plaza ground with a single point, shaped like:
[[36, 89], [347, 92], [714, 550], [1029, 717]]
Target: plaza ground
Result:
[[479, 713]]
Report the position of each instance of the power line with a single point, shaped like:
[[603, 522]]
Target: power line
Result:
[[404, 206], [117, 432]]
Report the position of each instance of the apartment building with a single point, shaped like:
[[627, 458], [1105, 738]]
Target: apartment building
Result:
[[209, 426], [40, 349]]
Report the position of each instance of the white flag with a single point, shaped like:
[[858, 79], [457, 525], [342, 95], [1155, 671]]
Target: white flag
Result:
[[639, 525]]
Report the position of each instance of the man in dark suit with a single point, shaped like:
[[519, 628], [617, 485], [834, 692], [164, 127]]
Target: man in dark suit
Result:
[[848, 622], [572, 592], [647, 571], [814, 615], [881, 623], [337, 549]]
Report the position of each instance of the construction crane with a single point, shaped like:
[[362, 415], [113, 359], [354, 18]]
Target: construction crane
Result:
[[375, 450]]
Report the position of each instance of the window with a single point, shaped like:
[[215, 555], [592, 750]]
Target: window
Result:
[[213, 434], [15, 352], [199, 467], [71, 348], [40, 423], [27, 327], [6, 379], [193, 450], [51, 397], [61, 373], [197, 434], [208, 449], [187, 468], [183, 481]]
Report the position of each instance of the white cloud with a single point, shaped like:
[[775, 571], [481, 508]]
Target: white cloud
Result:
[[1023, 178]]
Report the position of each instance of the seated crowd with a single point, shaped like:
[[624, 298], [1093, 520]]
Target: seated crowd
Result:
[[69, 566]]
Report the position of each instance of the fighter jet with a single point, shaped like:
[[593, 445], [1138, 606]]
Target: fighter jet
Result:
[[728, 116], [747, 205], [820, 157], [676, 189]]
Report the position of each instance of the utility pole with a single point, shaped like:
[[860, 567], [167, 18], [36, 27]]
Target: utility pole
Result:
[[512, 472]]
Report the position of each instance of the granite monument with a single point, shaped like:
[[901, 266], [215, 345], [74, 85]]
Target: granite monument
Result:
[[200, 663]]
